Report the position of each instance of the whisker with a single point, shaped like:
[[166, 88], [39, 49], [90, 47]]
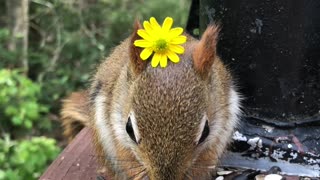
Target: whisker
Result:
[[123, 161], [199, 168], [115, 161], [135, 175], [126, 170], [124, 166], [114, 158], [145, 175], [134, 167], [204, 166]]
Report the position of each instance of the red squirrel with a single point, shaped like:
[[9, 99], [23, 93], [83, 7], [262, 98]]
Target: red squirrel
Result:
[[159, 123]]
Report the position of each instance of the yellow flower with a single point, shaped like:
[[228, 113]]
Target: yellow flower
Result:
[[163, 41]]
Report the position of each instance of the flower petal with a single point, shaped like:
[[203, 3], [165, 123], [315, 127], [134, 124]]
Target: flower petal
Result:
[[179, 40], [155, 60], [153, 35], [144, 34], [142, 43], [174, 32], [167, 23], [146, 53], [173, 57], [147, 26], [163, 60], [176, 48], [154, 23]]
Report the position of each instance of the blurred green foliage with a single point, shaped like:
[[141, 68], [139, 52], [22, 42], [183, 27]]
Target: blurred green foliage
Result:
[[67, 39], [25, 159], [19, 101]]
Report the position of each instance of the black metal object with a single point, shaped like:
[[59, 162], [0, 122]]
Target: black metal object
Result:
[[273, 50], [193, 21]]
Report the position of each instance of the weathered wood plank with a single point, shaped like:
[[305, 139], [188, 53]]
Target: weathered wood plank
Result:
[[77, 161]]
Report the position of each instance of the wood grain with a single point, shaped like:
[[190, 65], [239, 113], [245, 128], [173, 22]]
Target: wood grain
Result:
[[77, 161]]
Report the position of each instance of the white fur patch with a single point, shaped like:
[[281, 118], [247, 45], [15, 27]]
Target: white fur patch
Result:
[[222, 128], [119, 127], [234, 107], [201, 127], [229, 124], [118, 123], [135, 126], [103, 128]]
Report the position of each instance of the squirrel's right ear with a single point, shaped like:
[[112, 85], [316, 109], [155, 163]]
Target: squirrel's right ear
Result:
[[136, 63]]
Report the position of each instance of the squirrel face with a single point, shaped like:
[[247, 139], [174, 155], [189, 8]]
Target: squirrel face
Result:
[[169, 111], [171, 123]]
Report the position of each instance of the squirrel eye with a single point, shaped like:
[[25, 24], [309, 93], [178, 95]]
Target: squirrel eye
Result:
[[205, 133], [130, 131]]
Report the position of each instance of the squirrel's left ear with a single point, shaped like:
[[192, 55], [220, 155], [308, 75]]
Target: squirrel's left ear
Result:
[[205, 51], [137, 64]]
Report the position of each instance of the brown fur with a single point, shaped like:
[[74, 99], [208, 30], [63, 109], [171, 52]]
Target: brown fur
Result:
[[137, 64], [168, 105], [205, 52], [74, 114]]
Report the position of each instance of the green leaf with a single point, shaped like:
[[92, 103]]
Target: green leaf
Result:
[[2, 174], [28, 124], [11, 110], [16, 120]]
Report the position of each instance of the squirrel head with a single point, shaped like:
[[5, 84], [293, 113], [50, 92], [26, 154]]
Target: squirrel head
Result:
[[164, 123], [168, 120]]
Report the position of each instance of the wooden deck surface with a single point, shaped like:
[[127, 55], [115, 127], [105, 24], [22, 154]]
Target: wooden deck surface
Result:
[[77, 161]]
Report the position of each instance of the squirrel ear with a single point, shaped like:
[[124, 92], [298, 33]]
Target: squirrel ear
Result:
[[137, 64], [205, 51]]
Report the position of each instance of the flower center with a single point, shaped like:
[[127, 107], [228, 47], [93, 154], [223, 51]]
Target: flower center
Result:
[[160, 45]]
